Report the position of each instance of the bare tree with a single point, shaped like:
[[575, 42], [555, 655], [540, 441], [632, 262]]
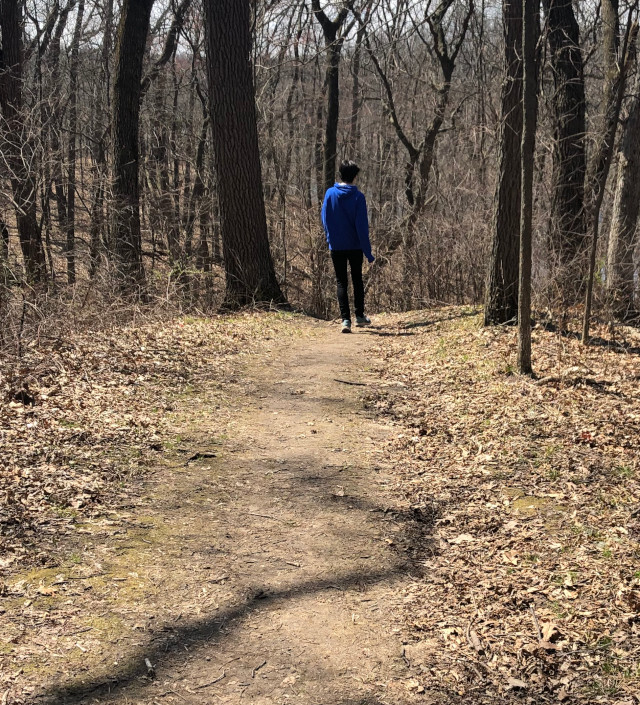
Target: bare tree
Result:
[[334, 32], [444, 46], [501, 295], [250, 275], [126, 239], [617, 63], [567, 218], [18, 148], [73, 128], [530, 113], [623, 236]]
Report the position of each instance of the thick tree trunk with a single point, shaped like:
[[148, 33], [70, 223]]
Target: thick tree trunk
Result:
[[126, 239], [332, 84], [567, 221], [624, 220], [250, 276], [501, 295], [17, 148]]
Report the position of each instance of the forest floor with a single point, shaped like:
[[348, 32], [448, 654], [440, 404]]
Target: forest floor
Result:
[[258, 509]]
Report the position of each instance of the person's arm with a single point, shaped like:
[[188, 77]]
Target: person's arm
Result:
[[362, 227], [324, 216]]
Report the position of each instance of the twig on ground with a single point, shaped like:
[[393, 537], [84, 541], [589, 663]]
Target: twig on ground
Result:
[[213, 682], [257, 668], [535, 620]]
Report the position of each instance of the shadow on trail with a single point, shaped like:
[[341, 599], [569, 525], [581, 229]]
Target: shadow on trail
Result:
[[428, 323], [196, 633], [411, 542], [385, 333], [309, 486]]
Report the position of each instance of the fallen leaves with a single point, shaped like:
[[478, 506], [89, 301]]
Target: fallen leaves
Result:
[[536, 491], [82, 415]]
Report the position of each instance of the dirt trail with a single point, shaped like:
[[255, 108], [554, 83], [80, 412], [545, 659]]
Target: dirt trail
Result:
[[265, 569]]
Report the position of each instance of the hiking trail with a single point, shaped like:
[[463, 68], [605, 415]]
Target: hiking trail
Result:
[[261, 562]]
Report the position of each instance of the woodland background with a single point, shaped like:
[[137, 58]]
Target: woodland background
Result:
[[425, 95]]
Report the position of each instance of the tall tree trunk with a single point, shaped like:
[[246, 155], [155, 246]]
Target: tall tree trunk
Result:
[[4, 251], [73, 128], [356, 97], [165, 214], [332, 83], [99, 151], [250, 276], [52, 118], [18, 148], [617, 65], [333, 41], [126, 236], [198, 190], [501, 295], [623, 237], [567, 221], [530, 112]]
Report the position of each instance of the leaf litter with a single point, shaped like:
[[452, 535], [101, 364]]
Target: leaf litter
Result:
[[530, 586], [97, 414], [532, 592], [101, 415]]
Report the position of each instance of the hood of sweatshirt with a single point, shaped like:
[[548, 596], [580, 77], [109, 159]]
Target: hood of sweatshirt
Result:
[[345, 190]]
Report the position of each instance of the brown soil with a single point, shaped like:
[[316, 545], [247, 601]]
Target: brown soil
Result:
[[261, 562]]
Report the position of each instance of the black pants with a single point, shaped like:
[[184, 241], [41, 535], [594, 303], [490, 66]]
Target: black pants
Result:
[[354, 259]]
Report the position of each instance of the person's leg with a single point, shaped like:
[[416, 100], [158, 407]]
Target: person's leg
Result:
[[340, 259], [355, 261]]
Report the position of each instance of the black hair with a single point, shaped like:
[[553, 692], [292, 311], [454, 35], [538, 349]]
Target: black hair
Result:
[[348, 171]]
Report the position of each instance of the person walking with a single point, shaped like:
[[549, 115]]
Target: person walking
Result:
[[346, 225]]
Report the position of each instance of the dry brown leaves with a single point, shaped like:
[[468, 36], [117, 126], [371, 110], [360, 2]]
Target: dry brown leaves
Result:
[[80, 416], [533, 591]]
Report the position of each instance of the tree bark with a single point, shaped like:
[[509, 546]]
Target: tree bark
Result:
[[18, 148], [530, 112], [250, 276], [501, 295], [567, 220], [99, 148], [617, 65], [624, 220], [73, 128], [356, 97], [126, 238], [333, 41]]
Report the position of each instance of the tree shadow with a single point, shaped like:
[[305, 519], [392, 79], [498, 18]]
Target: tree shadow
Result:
[[370, 330], [616, 346], [198, 632], [442, 319], [165, 649]]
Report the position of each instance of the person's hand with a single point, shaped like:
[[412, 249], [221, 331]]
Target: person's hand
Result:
[[370, 259]]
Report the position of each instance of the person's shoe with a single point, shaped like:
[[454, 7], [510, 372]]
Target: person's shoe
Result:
[[346, 326], [362, 321]]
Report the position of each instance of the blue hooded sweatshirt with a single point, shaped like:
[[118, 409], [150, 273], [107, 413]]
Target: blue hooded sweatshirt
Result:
[[345, 221]]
